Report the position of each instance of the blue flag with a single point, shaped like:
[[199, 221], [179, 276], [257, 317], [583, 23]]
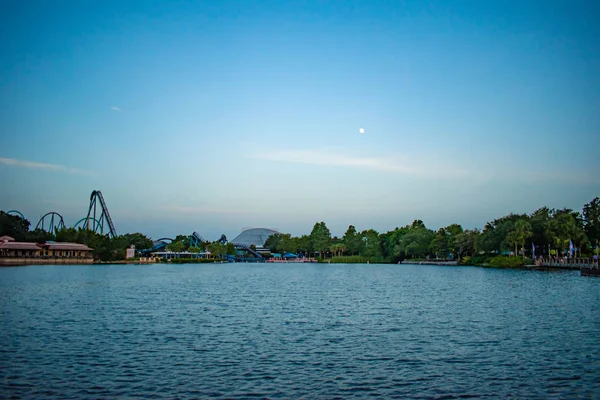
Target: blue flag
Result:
[[570, 247]]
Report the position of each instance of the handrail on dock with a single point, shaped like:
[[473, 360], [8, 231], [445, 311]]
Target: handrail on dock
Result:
[[571, 263]]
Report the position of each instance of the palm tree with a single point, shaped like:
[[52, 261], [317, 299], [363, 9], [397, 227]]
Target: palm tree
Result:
[[512, 238], [337, 249], [525, 232], [519, 234]]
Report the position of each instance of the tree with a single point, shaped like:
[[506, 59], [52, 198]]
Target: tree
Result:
[[453, 231], [416, 241], [139, 240], [563, 227], [104, 247], [273, 242], [493, 237], [439, 243], [288, 243], [72, 235], [352, 240], [391, 243], [201, 246], [14, 226], [519, 234], [569, 226], [540, 227], [320, 238], [216, 249], [184, 239], [371, 244], [39, 236], [465, 242], [591, 218], [194, 249], [176, 246], [417, 224], [512, 238], [580, 240], [116, 247], [337, 249], [305, 244], [230, 249]]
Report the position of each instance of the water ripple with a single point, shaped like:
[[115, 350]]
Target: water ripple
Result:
[[297, 331]]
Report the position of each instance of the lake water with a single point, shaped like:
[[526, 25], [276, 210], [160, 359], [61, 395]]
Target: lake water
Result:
[[290, 331]]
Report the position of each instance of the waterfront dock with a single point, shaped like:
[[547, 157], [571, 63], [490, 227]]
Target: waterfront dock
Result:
[[567, 263], [430, 262], [291, 260], [587, 266]]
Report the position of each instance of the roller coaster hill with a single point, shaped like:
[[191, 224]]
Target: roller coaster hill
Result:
[[97, 219], [249, 244]]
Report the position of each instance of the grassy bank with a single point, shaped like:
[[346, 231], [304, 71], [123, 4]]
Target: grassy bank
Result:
[[496, 261]]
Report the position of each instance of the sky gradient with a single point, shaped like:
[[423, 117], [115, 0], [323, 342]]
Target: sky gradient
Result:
[[217, 115]]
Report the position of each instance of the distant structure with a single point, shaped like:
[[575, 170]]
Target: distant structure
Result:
[[51, 222], [130, 252], [254, 237], [99, 220], [16, 212], [249, 246]]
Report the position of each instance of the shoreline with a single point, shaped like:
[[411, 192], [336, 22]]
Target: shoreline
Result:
[[440, 263], [528, 267]]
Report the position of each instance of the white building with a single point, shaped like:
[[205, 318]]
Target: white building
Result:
[[130, 252]]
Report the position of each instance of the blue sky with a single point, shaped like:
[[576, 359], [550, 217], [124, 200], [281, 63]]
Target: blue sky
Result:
[[217, 115]]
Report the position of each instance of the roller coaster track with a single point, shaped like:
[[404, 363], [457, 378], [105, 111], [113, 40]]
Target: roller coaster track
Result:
[[16, 212], [84, 222], [248, 249], [160, 244], [51, 222], [96, 219], [103, 216], [196, 239]]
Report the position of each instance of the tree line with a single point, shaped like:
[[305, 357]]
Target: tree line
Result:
[[546, 231]]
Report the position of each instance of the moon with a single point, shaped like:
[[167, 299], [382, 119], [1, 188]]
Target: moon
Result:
[[362, 130]]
